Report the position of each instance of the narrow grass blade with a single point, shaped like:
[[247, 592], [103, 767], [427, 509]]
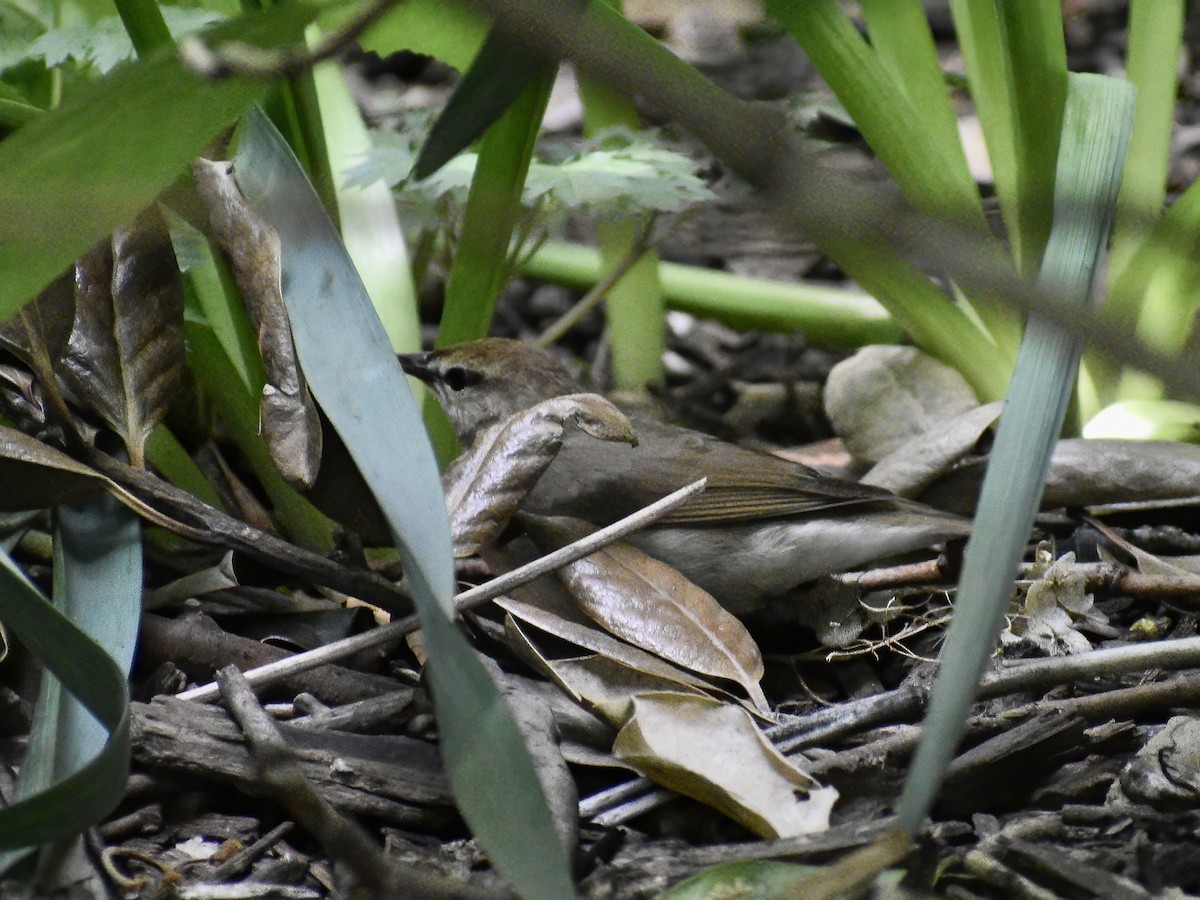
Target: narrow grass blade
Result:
[[634, 305], [1095, 136], [79, 761], [1152, 64], [369, 404], [481, 264], [1017, 64]]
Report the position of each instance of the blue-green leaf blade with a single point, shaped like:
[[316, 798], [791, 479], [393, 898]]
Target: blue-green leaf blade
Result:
[[352, 372]]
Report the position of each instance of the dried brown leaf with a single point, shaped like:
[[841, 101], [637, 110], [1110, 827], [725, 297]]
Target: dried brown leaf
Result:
[[568, 624], [290, 424], [714, 753], [38, 332], [917, 463], [125, 355], [487, 483], [36, 476], [651, 605]]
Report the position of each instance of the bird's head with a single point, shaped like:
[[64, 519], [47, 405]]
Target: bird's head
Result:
[[483, 382]]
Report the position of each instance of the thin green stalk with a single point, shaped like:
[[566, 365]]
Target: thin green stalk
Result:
[[634, 306], [144, 22], [482, 263], [834, 317]]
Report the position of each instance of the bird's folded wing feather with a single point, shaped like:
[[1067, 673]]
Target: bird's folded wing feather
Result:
[[603, 482]]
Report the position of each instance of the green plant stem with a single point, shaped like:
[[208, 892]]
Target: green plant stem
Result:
[[482, 263], [144, 22], [834, 317], [634, 306]]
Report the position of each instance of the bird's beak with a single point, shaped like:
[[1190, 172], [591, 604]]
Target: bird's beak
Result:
[[417, 365]]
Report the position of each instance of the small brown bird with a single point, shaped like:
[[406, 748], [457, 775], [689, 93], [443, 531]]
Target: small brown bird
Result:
[[763, 526]]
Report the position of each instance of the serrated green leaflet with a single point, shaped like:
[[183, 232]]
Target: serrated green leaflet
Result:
[[352, 372]]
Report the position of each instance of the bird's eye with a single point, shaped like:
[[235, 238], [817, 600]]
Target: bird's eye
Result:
[[457, 378]]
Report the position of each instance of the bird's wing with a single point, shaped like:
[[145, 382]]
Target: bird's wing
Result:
[[603, 482]]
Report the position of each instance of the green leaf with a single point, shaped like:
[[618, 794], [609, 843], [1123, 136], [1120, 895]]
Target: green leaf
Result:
[[370, 406], [73, 175], [1017, 63], [105, 43], [78, 763], [1096, 126], [444, 29], [481, 265], [499, 74]]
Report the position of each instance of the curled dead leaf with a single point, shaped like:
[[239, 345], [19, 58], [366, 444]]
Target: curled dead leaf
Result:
[[290, 424], [485, 486]]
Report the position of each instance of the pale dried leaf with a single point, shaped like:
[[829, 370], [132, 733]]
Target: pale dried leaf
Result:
[[598, 683], [487, 483], [883, 395], [917, 463], [290, 424], [713, 752], [569, 625], [1051, 607], [125, 355], [609, 687], [651, 605]]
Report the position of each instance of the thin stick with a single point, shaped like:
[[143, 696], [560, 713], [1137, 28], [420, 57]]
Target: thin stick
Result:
[[476, 596]]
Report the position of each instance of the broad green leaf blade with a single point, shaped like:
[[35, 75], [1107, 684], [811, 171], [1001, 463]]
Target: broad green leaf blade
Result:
[[634, 306], [369, 404], [1016, 59], [98, 683], [73, 175], [1096, 128], [499, 74]]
